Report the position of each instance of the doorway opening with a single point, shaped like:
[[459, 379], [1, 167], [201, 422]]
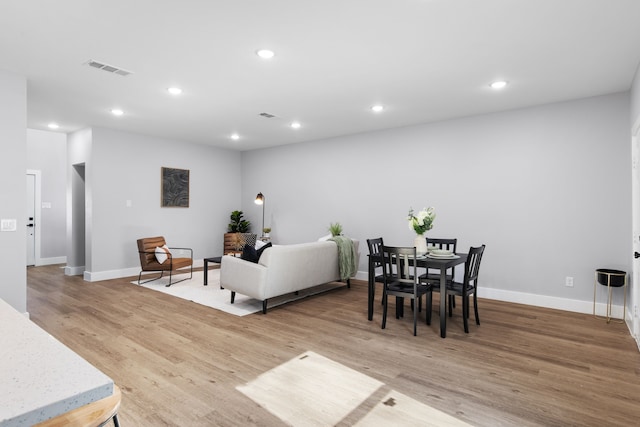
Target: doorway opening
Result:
[[33, 217], [76, 226]]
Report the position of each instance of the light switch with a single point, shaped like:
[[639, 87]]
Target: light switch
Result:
[[8, 224], [46, 205], [128, 203]]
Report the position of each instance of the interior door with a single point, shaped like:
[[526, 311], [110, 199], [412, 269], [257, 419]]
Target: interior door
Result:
[[31, 216]]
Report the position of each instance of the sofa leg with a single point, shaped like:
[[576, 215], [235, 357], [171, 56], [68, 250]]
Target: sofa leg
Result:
[[349, 283], [264, 307], [233, 296]]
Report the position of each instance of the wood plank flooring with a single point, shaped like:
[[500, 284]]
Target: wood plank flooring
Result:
[[179, 363]]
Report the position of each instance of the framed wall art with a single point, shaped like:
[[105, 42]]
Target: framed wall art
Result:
[[175, 188]]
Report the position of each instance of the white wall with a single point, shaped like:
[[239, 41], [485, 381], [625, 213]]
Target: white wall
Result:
[[635, 97], [46, 152], [126, 167], [13, 199], [547, 190]]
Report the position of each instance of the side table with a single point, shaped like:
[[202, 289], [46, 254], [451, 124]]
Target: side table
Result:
[[217, 260]]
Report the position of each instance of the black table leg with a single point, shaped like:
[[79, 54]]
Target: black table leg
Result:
[[443, 302], [206, 271], [371, 287]]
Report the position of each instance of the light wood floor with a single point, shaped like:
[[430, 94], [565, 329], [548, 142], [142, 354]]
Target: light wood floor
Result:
[[179, 363]]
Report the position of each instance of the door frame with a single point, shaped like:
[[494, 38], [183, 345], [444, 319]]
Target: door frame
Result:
[[37, 213], [633, 322]]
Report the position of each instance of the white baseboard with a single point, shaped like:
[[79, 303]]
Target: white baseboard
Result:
[[557, 303], [73, 271], [126, 272], [577, 306], [545, 301], [110, 274], [51, 261]]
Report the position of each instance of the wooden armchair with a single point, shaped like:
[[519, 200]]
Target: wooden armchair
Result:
[[149, 262]]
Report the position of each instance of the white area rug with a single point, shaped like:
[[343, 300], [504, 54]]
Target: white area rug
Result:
[[310, 390], [399, 410], [220, 299], [210, 295]]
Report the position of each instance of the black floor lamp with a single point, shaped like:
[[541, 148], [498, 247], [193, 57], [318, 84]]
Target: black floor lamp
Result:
[[260, 201]]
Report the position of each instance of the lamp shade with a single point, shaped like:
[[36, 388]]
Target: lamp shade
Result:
[[260, 201]]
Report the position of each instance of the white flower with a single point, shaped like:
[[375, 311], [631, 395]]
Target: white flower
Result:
[[423, 221]]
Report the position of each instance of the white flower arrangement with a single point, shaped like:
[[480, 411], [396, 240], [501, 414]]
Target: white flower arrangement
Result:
[[423, 221]]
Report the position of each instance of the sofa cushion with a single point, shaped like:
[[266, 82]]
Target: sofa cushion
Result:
[[262, 249], [249, 253]]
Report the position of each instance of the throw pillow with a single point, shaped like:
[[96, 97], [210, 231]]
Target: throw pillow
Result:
[[249, 254], [259, 252], [162, 253], [325, 238], [259, 244]]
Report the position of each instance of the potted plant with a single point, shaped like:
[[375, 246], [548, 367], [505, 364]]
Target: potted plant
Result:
[[335, 229], [266, 231], [238, 224], [238, 233]]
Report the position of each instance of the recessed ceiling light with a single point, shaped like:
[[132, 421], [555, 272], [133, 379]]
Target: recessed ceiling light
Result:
[[377, 108], [499, 84], [53, 126], [235, 137], [296, 125], [265, 53], [117, 112], [174, 90]]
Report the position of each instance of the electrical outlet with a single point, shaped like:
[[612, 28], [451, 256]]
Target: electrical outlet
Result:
[[568, 281], [8, 225]]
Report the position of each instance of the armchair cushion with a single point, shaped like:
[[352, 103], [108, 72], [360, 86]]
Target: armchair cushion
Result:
[[162, 253]]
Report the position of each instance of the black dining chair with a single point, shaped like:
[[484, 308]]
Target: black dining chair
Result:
[[434, 277], [399, 266], [465, 289], [375, 259]]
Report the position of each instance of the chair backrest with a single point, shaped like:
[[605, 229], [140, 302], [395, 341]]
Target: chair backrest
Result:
[[472, 266], [446, 244], [147, 247], [375, 250], [399, 264]]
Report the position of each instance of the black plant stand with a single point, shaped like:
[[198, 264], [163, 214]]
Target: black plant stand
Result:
[[610, 279]]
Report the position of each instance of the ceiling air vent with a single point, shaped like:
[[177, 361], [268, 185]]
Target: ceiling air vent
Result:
[[108, 68], [267, 115]]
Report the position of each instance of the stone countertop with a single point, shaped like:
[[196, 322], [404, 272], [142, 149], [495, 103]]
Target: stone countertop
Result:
[[40, 377]]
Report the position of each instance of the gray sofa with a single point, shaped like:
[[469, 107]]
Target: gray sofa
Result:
[[283, 269]]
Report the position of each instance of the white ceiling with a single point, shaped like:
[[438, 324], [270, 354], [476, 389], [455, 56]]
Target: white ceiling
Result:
[[425, 60]]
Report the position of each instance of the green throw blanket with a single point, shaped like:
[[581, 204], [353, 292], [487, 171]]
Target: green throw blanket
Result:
[[346, 256]]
